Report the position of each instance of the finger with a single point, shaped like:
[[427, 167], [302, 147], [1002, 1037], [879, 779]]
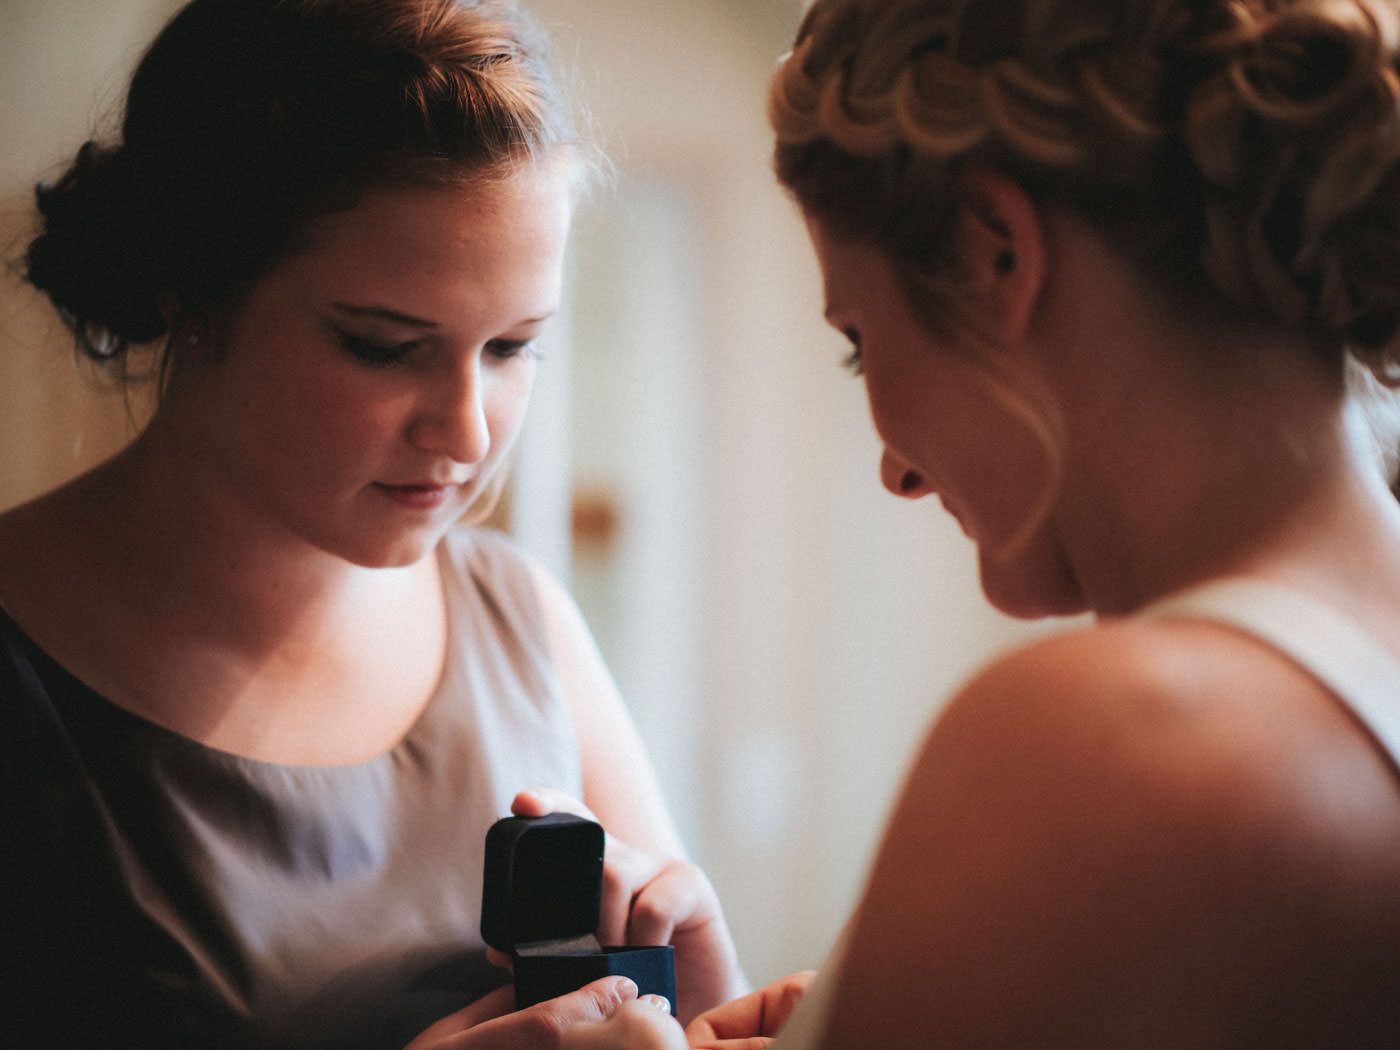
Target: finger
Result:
[[755, 1042], [643, 1025], [666, 902], [678, 902], [591, 1003], [739, 1018], [615, 904], [500, 959], [781, 999], [542, 1027], [541, 801], [763, 1012], [626, 873], [791, 989]]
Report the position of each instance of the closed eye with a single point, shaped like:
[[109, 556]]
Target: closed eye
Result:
[[505, 349], [375, 353]]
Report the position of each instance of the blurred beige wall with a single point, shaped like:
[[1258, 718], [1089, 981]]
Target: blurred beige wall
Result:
[[63, 67]]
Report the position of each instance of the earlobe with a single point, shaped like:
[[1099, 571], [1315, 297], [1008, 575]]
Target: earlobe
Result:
[[1001, 244]]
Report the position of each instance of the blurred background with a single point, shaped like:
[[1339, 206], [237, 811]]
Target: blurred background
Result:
[[697, 466]]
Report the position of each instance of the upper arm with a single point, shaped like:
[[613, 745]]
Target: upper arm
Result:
[[619, 783], [1071, 863]]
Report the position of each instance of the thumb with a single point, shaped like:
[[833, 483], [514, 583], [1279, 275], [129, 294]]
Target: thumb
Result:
[[542, 1026], [540, 801], [644, 1025]]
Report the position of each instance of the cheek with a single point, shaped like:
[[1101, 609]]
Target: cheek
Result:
[[895, 414], [342, 408], [506, 400], [1001, 466]]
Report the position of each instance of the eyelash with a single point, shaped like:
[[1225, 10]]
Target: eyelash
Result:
[[384, 355], [506, 349], [372, 353], [853, 362]]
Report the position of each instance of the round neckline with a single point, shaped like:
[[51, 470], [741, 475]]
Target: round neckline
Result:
[[135, 722]]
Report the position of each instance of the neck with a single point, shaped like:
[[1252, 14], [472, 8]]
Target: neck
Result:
[[1196, 448], [185, 548], [1258, 481]]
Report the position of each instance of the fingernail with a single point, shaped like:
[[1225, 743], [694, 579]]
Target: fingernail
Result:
[[627, 988], [658, 1001]]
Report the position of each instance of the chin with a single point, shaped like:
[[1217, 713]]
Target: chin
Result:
[[397, 553], [1028, 587]]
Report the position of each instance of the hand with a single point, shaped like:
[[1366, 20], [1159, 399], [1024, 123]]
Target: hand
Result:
[[651, 899], [643, 1025], [750, 1023], [489, 1024]]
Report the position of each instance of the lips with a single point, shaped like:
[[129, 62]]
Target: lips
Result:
[[425, 496]]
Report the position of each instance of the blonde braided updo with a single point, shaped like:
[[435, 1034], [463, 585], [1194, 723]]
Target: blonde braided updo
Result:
[[1246, 150]]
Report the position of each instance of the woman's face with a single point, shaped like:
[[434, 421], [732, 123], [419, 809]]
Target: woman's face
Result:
[[370, 385], [945, 431]]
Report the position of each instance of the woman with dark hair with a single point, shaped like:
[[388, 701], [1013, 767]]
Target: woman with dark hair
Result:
[[260, 696], [1105, 268]]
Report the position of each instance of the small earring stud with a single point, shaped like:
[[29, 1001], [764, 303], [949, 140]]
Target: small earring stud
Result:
[[910, 481], [1006, 262]]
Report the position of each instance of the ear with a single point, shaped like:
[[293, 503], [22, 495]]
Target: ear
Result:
[[190, 334], [1001, 245]]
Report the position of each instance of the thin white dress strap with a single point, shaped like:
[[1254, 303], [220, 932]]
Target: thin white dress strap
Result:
[[1318, 638]]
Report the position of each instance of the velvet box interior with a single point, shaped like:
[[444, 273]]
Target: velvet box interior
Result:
[[541, 901]]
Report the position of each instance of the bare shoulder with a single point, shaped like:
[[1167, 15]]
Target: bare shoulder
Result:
[[1158, 828], [1189, 707]]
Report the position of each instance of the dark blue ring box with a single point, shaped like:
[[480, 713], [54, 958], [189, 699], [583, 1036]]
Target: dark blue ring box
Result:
[[542, 894]]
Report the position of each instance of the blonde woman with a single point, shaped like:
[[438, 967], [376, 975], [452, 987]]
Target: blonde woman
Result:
[[1104, 268]]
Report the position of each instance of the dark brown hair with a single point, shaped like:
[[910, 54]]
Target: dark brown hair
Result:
[[248, 119]]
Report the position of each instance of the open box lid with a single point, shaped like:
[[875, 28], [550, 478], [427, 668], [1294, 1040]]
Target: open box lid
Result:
[[542, 885]]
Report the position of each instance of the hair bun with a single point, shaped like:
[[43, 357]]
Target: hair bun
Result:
[[89, 258], [1296, 130]]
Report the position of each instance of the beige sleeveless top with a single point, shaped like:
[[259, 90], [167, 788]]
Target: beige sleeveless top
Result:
[[167, 894], [1325, 643]]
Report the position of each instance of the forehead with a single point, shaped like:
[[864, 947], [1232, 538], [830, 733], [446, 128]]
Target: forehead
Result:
[[438, 250], [528, 209], [853, 271]]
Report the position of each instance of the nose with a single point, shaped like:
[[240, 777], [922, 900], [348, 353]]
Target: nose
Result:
[[452, 419], [901, 478]]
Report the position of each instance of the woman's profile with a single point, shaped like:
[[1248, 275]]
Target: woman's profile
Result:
[[1105, 268]]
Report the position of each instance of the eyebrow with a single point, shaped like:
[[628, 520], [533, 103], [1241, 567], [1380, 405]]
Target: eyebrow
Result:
[[385, 314], [398, 317]]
